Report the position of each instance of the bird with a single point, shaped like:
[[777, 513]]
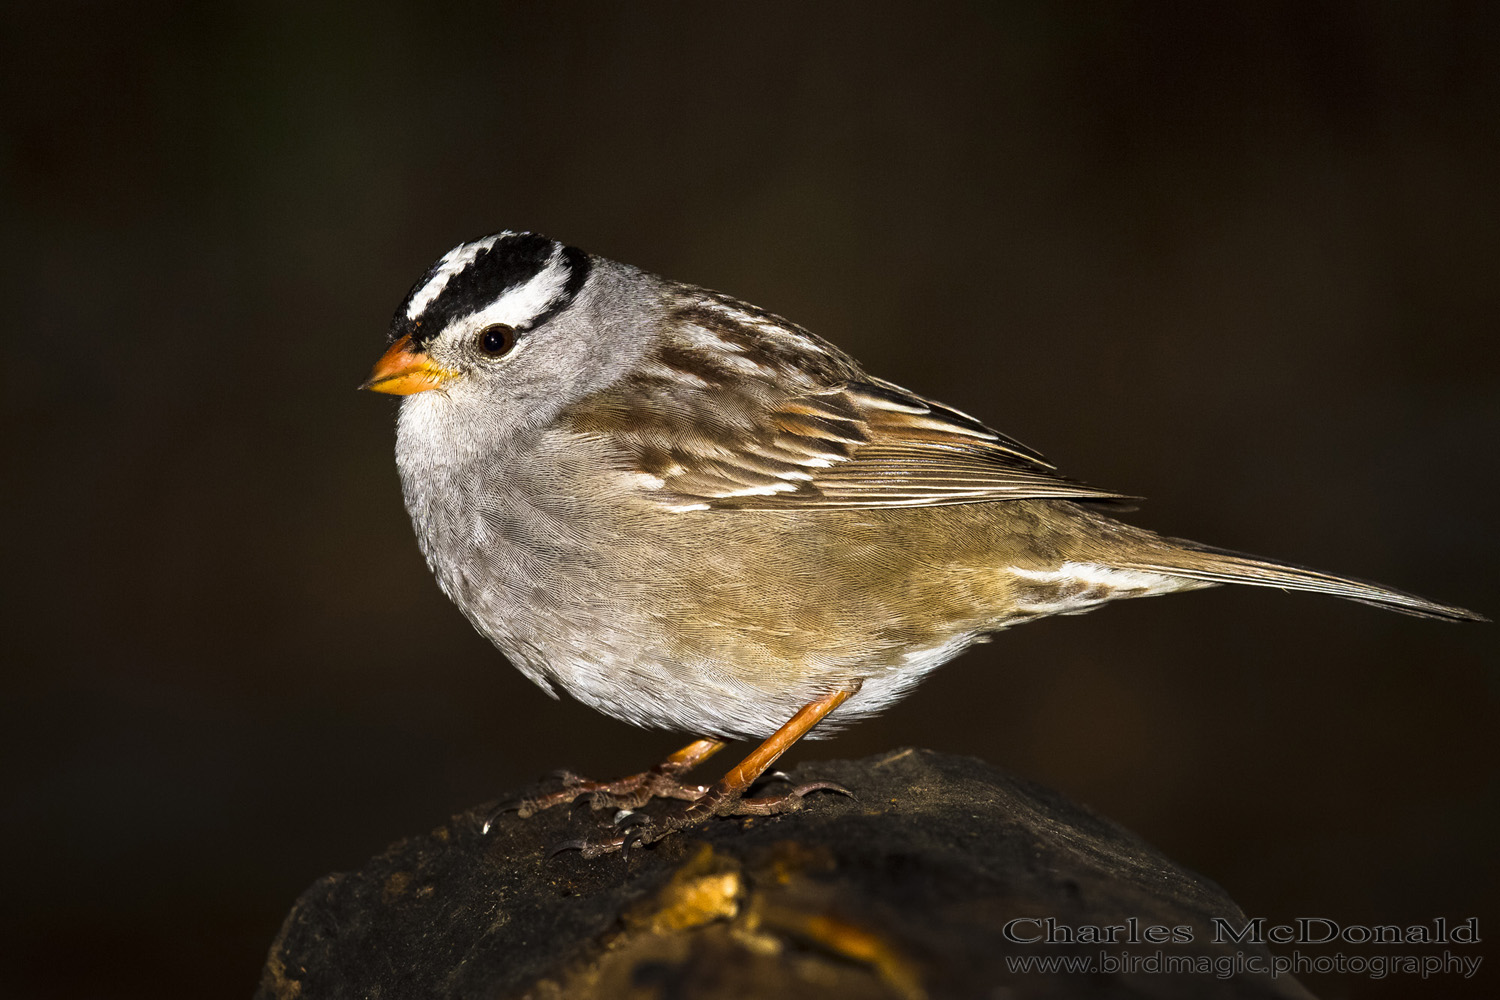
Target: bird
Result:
[[691, 514]]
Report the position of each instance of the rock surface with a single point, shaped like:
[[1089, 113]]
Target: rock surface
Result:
[[904, 893]]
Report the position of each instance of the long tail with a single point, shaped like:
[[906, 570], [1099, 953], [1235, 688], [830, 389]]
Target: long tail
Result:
[[1195, 561]]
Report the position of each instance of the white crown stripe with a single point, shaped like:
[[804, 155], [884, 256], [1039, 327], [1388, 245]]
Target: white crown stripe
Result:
[[452, 263], [524, 303]]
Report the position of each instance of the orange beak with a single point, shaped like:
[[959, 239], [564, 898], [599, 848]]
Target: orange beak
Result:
[[403, 370]]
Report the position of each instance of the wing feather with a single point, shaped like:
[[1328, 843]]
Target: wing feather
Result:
[[906, 452], [766, 416]]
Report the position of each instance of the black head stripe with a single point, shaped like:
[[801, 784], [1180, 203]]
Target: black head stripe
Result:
[[577, 263], [512, 261]]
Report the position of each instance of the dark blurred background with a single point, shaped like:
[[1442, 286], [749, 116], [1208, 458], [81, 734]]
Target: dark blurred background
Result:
[[1240, 258]]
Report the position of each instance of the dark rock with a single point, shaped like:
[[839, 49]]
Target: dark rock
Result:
[[903, 893]]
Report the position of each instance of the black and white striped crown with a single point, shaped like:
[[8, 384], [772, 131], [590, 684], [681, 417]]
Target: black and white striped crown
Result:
[[522, 278]]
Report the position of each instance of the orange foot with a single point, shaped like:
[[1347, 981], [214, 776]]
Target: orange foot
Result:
[[725, 798]]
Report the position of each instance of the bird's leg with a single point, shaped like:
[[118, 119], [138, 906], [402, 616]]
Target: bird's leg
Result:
[[727, 796], [630, 792]]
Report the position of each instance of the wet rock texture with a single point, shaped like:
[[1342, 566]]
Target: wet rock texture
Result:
[[904, 892]]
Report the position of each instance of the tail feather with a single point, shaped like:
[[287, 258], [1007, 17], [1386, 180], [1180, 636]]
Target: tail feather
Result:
[[1194, 561]]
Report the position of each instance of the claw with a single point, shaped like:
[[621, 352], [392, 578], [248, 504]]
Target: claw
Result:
[[501, 808], [628, 819], [594, 799], [635, 838], [823, 786], [569, 845], [589, 848], [788, 801], [638, 827]]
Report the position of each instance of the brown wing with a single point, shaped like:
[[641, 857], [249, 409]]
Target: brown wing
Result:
[[745, 411], [867, 444], [860, 444]]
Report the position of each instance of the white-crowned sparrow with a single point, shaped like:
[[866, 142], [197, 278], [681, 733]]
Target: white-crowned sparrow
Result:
[[692, 514]]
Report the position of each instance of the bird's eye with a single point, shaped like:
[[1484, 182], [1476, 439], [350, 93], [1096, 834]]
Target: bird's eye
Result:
[[497, 339]]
